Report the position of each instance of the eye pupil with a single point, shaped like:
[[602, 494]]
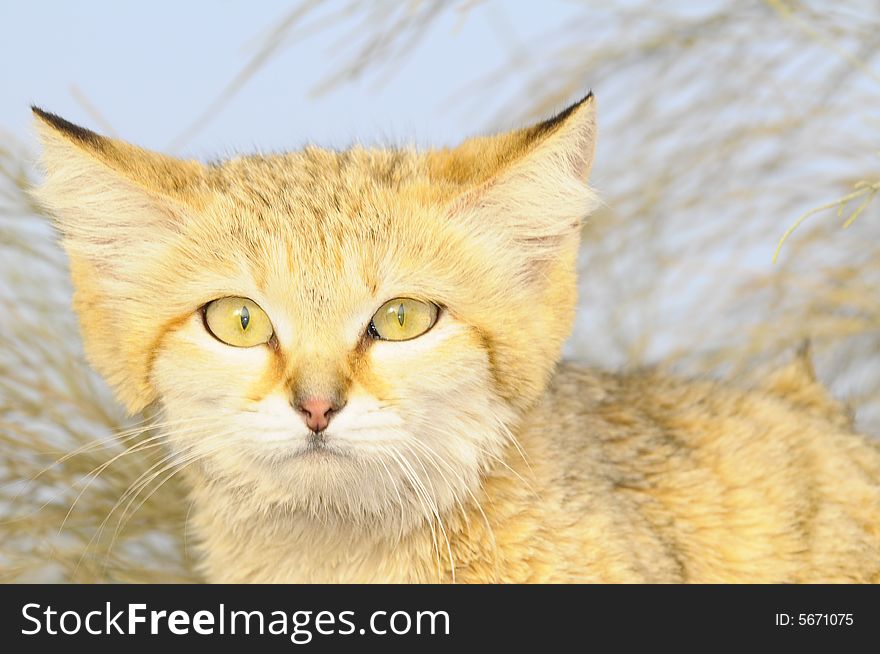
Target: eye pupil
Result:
[[245, 317], [401, 314]]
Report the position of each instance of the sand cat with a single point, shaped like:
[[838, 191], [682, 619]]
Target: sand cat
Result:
[[357, 354]]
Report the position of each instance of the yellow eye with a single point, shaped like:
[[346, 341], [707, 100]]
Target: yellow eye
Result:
[[238, 321], [403, 318]]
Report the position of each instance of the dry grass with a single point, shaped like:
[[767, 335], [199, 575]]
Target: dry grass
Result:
[[61, 434], [720, 127]]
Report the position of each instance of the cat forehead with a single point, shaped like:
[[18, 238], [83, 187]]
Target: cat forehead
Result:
[[319, 177], [321, 205], [316, 224]]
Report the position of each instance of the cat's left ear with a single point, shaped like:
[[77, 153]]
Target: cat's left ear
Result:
[[530, 186], [519, 200]]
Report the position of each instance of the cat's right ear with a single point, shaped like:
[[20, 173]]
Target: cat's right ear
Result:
[[120, 209], [107, 195]]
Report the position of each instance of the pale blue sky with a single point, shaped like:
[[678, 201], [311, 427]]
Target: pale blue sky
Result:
[[151, 68]]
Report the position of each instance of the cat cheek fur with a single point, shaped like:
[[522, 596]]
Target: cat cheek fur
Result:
[[443, 388]]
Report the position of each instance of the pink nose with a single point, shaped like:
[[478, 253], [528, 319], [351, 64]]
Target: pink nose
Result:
[[316, 413]]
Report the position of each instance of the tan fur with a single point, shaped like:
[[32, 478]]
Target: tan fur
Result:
[[467, 454]]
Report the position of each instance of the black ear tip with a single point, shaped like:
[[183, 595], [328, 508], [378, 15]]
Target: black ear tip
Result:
[[40, 113], [589, 97], [66, 127], [552, 123], [53, 119]]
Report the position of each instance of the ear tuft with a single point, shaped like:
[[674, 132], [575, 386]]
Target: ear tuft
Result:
[[576, 128], [72, 131], [537, 195], [552, 124], [67, 146]]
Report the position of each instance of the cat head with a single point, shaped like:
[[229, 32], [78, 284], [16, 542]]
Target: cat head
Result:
[[352, 332]]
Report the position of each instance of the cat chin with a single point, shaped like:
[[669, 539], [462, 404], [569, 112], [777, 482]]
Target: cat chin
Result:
[[331, 484], [359, 506], [304, 448], [321, 450]]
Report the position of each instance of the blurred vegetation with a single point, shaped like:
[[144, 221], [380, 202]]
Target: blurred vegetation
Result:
[[724, 125]]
